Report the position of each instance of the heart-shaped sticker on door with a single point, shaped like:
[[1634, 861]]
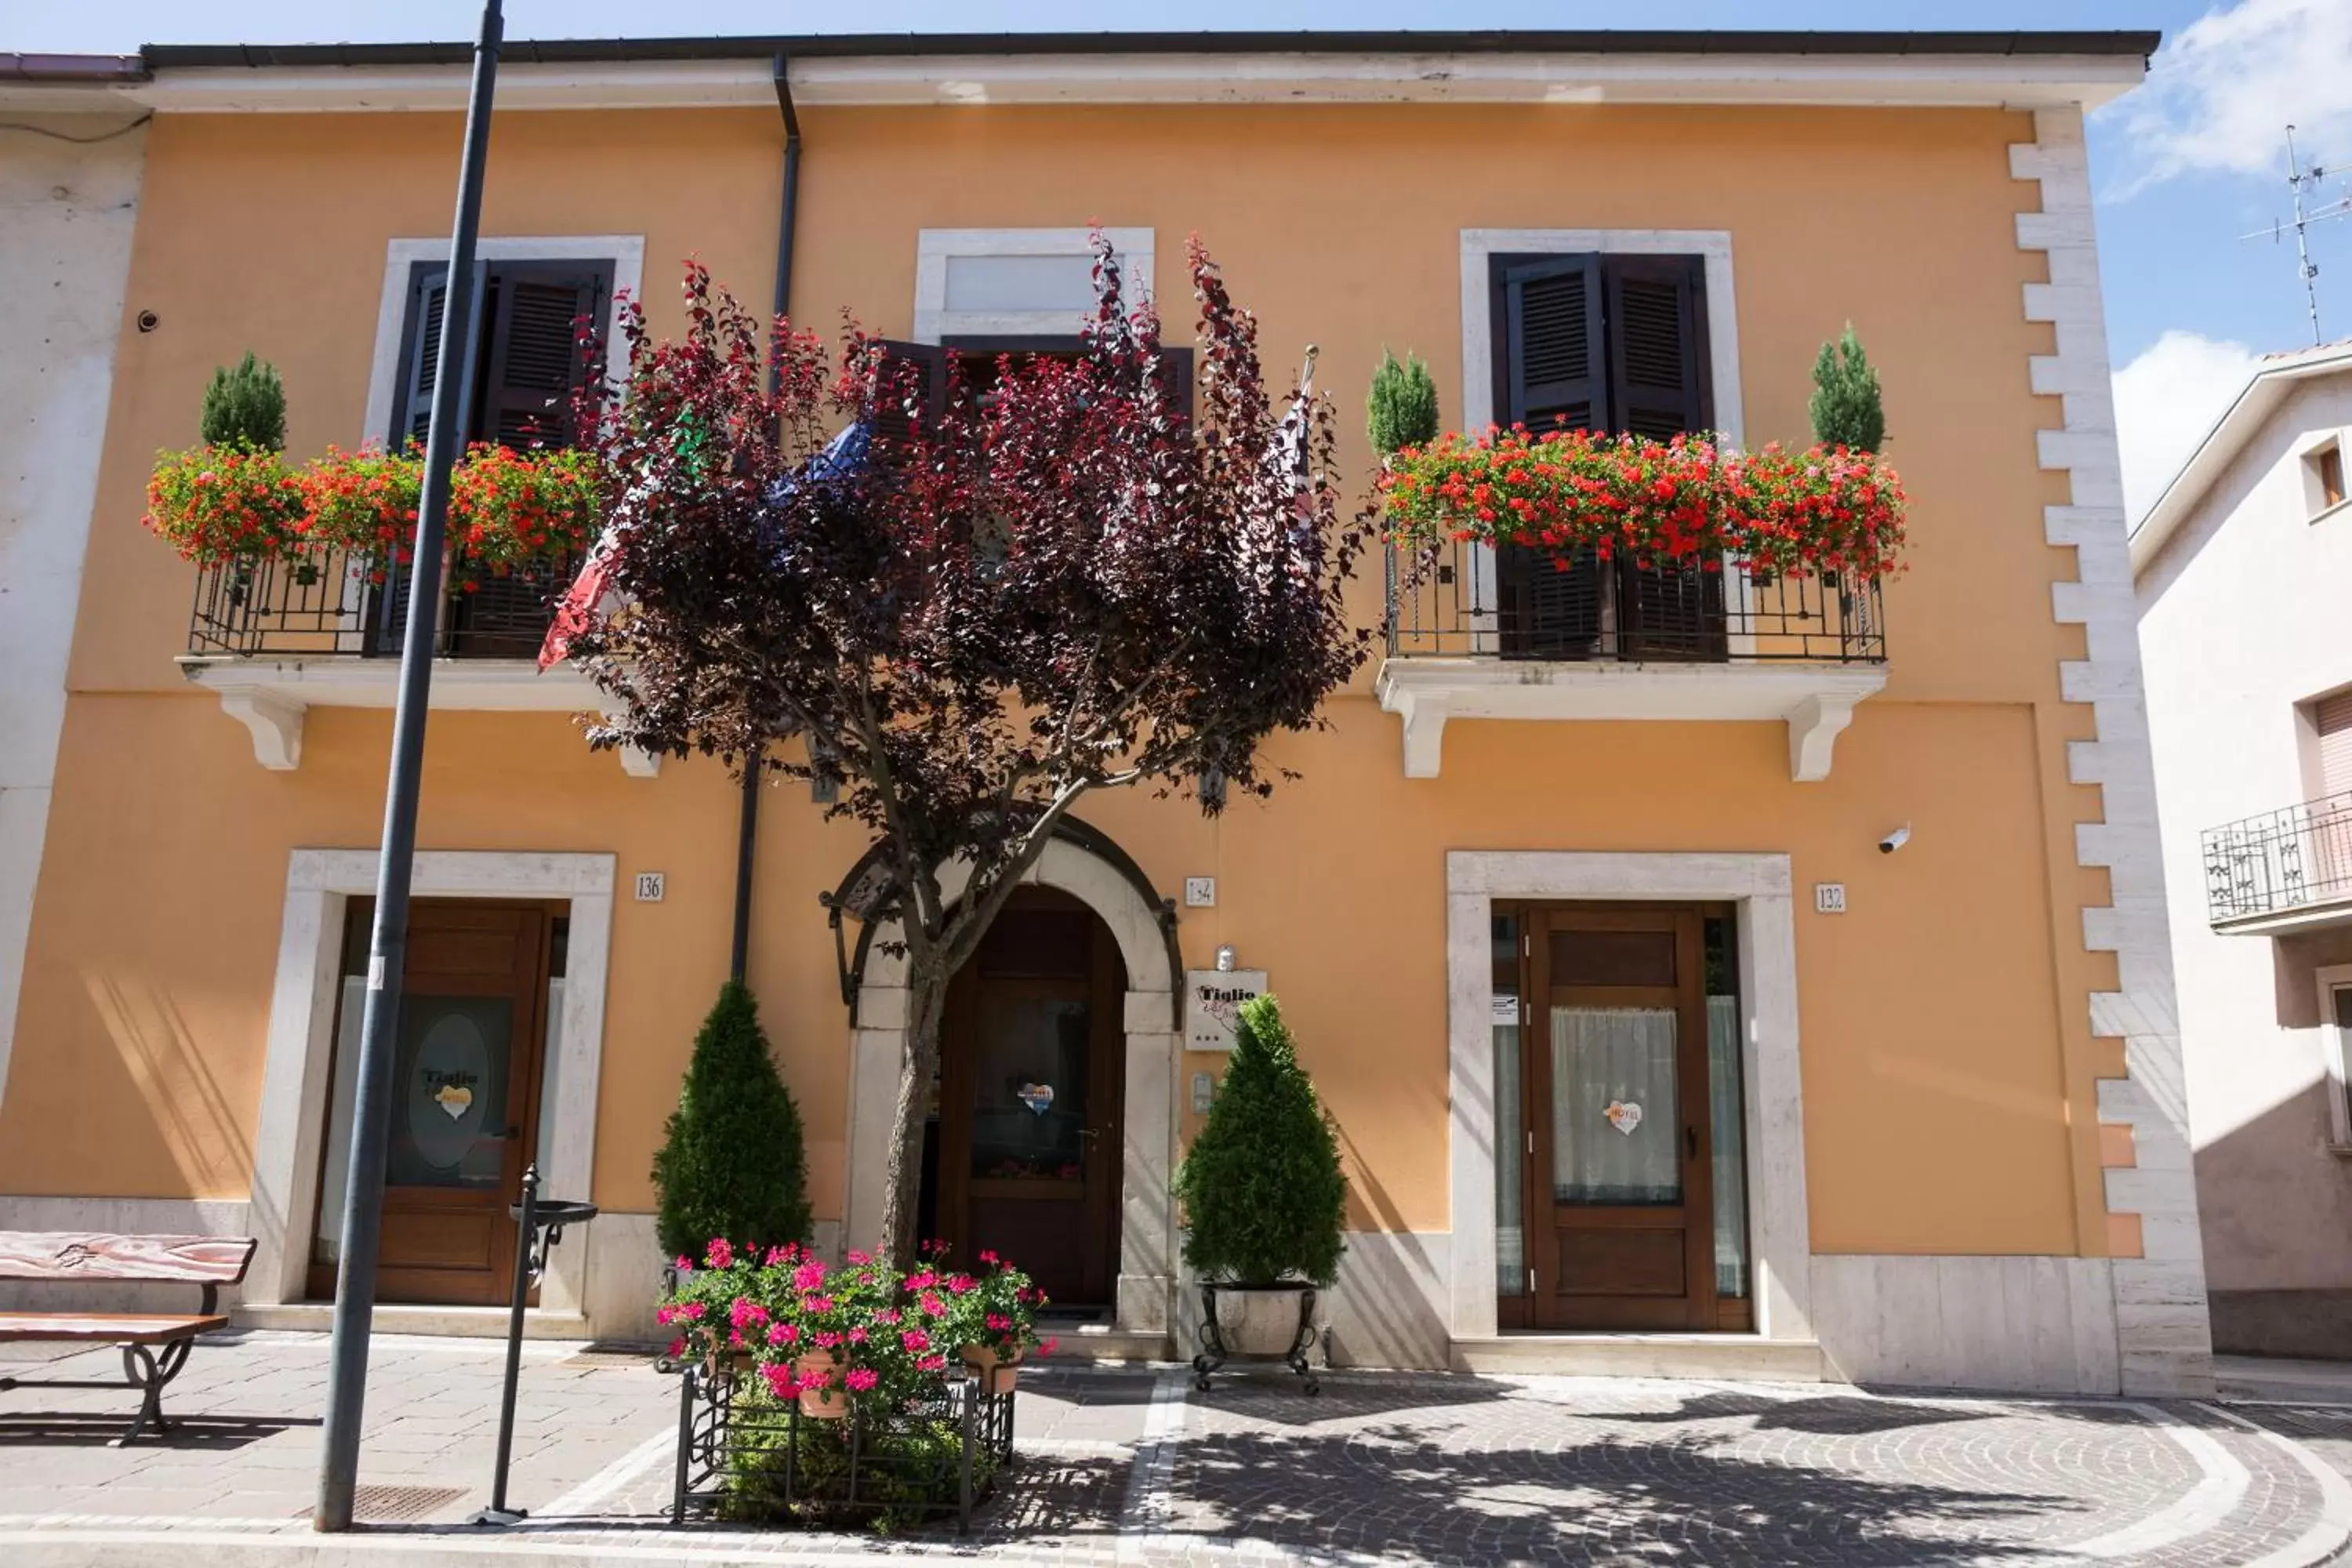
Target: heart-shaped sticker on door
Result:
[[1623, 1115], [1037, 1097], [455, 1099]]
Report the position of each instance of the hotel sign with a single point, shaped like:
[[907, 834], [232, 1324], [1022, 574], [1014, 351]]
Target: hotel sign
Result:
[[1212, 999]]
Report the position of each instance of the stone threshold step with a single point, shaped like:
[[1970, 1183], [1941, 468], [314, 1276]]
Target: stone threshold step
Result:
[[1105, 1342], [447, 1322], [1742, 1358]]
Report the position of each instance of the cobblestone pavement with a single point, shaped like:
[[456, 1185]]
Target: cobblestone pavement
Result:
[[1131, 1467]]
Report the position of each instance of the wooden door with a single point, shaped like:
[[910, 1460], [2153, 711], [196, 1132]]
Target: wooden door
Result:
[[465, 1105], [1620, 1207], [1032, 1082]]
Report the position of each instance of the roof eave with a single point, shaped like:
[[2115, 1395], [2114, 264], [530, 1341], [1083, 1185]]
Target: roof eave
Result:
[[2222, 444]]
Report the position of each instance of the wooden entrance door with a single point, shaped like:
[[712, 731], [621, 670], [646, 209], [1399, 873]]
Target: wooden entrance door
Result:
[[464, 1104], [1031, 1085], [1620, 1205]]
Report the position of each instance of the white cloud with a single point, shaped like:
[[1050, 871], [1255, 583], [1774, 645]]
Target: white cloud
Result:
[[2221, 94], [2165, 400]]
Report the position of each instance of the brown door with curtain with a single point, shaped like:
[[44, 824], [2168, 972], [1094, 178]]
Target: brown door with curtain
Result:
[[1620, 1210], [465, 1102], [1031, 1084]]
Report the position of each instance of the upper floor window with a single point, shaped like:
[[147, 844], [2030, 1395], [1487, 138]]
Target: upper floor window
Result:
[[525, 358], [1608, 343], [2322, 483]]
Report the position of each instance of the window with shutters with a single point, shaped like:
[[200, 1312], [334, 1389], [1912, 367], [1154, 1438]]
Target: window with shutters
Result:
[[2331, 722], [521, 366], [1618, 343], [2323, 478]]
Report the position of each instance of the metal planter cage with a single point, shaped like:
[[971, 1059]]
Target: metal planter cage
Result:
[[746, 1458]]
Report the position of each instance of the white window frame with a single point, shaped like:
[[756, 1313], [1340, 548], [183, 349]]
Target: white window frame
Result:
[[934, 323], [2317, 507], [2336, 1054], [626, 252]]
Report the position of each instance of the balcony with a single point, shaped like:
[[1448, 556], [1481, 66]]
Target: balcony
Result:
[[277, 637], [2285, 870], [1485, 633]]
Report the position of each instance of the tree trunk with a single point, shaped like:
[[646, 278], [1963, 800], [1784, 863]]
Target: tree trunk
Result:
[[927, 998]]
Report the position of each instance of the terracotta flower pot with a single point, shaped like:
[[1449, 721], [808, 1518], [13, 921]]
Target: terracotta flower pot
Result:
[[996, 1373], [829, 1402]]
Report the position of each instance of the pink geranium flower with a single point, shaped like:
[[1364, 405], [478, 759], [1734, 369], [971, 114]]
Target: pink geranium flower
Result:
[[857, 1256], [781, 1380], [721, 1254], [932, 1304], [862, 1378], [931, 1364], [857, 1336], [809, 1275], [915, 1340], [782, 1333]]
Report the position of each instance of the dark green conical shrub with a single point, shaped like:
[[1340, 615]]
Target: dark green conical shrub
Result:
[[1845, 408], [1402, 408], [245, 406], [1261, 1185], [731, 1162]]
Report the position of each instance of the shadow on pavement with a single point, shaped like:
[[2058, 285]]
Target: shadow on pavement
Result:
[[96, 1429]]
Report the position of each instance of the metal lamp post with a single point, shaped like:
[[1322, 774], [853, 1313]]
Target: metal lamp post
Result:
[[372, 1099]]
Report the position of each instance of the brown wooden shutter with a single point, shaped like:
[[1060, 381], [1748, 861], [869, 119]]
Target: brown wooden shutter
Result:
[[914, 376], [2334, 716], [1549, 317], [536, 360], [535, 363], [1176, 369], [1546, 313], [1659, 387]]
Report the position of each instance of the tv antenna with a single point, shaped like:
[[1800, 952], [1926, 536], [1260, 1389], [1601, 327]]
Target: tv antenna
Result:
[[2304, 183]]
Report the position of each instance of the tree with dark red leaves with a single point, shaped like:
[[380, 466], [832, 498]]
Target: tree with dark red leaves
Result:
[[975, 604]]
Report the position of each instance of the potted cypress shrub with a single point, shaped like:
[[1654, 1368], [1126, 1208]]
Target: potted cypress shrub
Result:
[[1264, 1200], [732, 1173]]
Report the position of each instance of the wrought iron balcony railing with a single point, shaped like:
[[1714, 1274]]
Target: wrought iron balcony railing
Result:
[[335, 603], [2297, 857], [1472, 600]]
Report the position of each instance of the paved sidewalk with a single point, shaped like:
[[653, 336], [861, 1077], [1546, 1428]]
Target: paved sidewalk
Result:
[[1131, 1467]]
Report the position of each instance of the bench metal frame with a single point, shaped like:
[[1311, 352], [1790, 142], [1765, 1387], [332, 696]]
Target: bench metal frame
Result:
[[151, 1357]]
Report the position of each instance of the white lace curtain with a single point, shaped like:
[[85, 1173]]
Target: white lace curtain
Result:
[[1623, 1057]]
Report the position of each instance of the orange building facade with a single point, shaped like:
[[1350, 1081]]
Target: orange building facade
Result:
[[1904, 1114]]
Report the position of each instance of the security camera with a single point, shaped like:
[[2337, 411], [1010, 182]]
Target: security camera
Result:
[[1895, 840]]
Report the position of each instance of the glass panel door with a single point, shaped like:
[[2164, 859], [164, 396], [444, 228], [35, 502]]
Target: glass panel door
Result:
[[1613, 1106]]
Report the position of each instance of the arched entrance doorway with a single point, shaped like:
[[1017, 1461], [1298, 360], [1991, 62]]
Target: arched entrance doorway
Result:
[[1022, 1156], [1086, 865]]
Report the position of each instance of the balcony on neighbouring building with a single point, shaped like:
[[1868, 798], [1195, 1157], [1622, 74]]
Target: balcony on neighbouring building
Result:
[[1481, 633], [278, 636], [2289, 870]]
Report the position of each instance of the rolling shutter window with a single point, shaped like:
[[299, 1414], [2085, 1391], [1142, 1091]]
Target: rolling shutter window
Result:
[[1548, 373], [2335, 723], [536, 358]]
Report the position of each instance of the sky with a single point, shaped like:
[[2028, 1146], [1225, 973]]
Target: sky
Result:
[[2182, 168]]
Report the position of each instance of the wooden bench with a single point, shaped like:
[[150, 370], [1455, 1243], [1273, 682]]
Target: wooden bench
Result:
[[154, 1345]]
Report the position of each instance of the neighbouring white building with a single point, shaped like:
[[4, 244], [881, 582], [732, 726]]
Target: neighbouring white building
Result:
[[2243, 575], [70, 167]]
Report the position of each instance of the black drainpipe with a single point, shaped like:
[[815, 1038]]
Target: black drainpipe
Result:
[[748, 832]]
